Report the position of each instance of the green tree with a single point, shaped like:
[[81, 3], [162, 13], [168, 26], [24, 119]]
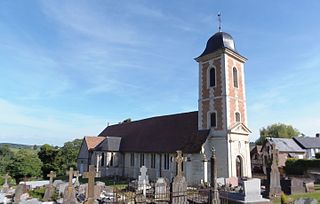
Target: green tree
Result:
[[25, 163], [6, 156], [277, 130], [67, 156], [47, 155]]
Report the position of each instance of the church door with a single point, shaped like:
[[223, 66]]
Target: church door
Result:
[[239, 166]]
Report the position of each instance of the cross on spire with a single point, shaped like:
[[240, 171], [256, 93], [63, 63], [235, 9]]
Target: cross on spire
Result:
[[219, 21], [51, 176], [179, 161], [70, 173]]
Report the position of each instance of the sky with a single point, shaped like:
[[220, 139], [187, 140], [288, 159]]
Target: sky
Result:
[[68, 68]]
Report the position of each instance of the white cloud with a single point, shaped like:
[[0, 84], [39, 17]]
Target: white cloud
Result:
[[25, 124]]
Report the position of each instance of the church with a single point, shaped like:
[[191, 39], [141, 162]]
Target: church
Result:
[[219, 122]]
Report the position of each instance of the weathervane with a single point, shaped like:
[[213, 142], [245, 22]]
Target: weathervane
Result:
[[219, 20]]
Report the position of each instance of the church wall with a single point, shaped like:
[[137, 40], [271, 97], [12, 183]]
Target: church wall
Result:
[[82, 161]]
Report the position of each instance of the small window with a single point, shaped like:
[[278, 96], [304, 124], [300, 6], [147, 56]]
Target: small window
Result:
[[212, 77], [111, 159], [213, 119], [153, 160], [141, 159], [102, 159], [235, 77], [132, 159], [237, 115], [166, 161]]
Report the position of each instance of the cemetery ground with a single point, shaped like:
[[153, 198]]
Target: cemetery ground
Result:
[[314, 195]]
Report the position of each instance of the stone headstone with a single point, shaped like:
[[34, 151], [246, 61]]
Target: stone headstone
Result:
[[56, 183], [143, 179], [179, 184], [162, 191], [5, 187], [221, 181], [292, 185], [77, 175], [50, 189], [252, 190], [232, 181], [275, 187], [69, 195], [21, 189], [90, 175], [306, 201], [30, 201], [98, 189], [62, 187], [310, 187]]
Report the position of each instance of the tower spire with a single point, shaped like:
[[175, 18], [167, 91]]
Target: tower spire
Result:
[[219, 21]]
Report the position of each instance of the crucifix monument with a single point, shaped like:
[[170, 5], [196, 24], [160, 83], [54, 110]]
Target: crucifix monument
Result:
[[90, 191]]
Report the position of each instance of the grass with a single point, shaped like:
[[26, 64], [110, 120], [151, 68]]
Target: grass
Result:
[[315, 195]]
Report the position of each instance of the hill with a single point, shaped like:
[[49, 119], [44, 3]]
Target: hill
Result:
[[20, 146]]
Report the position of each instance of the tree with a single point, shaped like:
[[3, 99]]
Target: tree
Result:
[[67, 156], [47, 155], [25, 163], [6, 156], [277, 130]]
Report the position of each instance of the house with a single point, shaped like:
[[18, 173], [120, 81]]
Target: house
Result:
[[310, 144], [287, 148], [256, 159], [220, 122]]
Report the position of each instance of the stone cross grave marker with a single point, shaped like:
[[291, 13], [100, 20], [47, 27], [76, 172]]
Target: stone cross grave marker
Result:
[[90, 176], [214, 194], [143, 180], [77, 175], [69, 196], [50, 188], [179, 184], [179, 160], [275, 188], [6, 185], [52, 175]]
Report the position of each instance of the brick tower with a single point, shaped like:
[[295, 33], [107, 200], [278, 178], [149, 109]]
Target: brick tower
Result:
[[222, 105]]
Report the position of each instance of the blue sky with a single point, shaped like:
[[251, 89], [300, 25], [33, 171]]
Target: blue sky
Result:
[[70, 67]]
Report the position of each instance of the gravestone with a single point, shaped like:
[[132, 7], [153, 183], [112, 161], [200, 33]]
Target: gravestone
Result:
[[310, 187], [275, 187], [50, 189], [306, 201], [98, 189], [214, 194], [77, 175], [5, 187], [90, 190], [162, 192], [69, 195], [20, 190], [232, 181], [252, 190], [179, 184], [143, 180], [292, 185]]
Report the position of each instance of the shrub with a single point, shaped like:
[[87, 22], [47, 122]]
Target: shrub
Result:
[[318, 155], [299, 166]]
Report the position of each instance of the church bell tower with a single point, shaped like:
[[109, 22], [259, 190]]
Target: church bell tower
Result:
[[222, 105]]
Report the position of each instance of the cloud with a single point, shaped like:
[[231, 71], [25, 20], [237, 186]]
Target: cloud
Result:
[[25, 124]]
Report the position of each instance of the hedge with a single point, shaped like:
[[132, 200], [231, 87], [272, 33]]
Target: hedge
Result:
[[300, 166]]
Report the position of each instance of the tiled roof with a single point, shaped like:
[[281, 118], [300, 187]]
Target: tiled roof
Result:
[[285, 145], [160, 134], [308, 142], [92, 142]]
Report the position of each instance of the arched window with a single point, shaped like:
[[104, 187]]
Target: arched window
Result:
[[235, 77], [238, 118], [212, 77], [213, 119]]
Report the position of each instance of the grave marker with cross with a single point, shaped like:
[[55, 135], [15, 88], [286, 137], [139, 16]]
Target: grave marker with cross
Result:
[[179, 161], [70, 173], [77, 175], [52, 175], [90, 176], [6, 177]]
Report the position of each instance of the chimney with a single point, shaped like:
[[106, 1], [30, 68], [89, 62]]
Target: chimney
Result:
[[318, 135]]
